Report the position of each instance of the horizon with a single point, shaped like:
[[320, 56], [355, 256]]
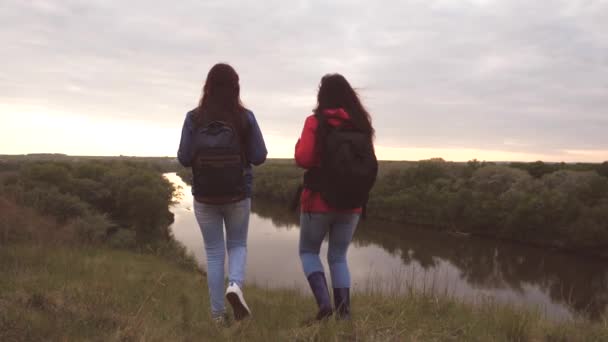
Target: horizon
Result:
[[58, 154], [493, 80]]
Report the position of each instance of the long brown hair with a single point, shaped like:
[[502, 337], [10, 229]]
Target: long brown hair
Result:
[[221, 99]]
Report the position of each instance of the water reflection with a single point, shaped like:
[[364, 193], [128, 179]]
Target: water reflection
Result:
[[390, 257], [579, 284]]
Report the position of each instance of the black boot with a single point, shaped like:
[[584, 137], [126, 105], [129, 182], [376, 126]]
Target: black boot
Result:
[[342, 303], [318, 285]]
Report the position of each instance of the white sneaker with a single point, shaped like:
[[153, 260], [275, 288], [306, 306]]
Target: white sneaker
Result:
[[234, 295]]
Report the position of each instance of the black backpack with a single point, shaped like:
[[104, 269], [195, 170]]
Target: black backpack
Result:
[[218, 167], [348, 167]]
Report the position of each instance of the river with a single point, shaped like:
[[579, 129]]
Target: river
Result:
[[392, 258]]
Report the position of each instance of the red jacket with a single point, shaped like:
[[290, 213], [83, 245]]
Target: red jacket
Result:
[[306, 158]]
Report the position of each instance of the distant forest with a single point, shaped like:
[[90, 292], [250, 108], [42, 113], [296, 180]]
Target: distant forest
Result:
[[559, 205]]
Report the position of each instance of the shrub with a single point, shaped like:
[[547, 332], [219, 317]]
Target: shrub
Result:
[[91, 228]]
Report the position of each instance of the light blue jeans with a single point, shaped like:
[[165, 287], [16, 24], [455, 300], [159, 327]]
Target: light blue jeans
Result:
[[211, 219], [313, 229]]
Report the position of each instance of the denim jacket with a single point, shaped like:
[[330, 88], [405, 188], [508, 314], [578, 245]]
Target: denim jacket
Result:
[[255, 148]]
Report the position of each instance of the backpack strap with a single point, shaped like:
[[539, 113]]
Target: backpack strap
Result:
[[321, 133], [323, 129], [243, 136]]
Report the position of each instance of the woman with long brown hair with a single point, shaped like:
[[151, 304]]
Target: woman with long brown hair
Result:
[[221, 140]]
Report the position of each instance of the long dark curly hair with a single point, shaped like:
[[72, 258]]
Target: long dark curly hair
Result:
[[336, 92]]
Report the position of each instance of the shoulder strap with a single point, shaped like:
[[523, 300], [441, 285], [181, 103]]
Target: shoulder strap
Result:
[[244, 136], [323, 129]]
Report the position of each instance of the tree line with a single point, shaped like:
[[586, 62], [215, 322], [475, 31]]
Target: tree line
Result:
[[558, 205]]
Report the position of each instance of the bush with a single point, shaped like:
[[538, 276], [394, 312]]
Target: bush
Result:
[[122, 238], [49, 201], [146, 211], [95, 196], [92, 228]]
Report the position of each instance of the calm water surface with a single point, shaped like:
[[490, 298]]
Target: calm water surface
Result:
[[392, 257]]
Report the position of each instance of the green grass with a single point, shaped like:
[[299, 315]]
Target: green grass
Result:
[[50, 293]]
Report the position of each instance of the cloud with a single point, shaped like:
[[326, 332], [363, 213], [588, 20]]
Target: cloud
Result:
[[477, 74]]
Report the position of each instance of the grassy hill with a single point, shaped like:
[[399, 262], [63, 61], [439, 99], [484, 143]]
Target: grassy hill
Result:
[[102, 294]]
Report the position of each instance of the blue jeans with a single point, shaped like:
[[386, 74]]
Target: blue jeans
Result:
[[313, 229], [211, 219]]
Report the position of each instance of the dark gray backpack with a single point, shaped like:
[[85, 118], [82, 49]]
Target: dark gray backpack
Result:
[[218, 166]]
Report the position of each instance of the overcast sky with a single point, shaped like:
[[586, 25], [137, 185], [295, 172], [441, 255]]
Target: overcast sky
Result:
[[486, 79]]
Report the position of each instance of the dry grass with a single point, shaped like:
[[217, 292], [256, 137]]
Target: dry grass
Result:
[[18, 223]]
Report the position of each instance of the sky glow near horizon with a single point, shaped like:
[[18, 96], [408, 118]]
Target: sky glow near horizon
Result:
[[491, 79]]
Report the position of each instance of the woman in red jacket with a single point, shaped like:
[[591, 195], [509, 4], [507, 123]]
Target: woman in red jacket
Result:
[[337, 104]]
